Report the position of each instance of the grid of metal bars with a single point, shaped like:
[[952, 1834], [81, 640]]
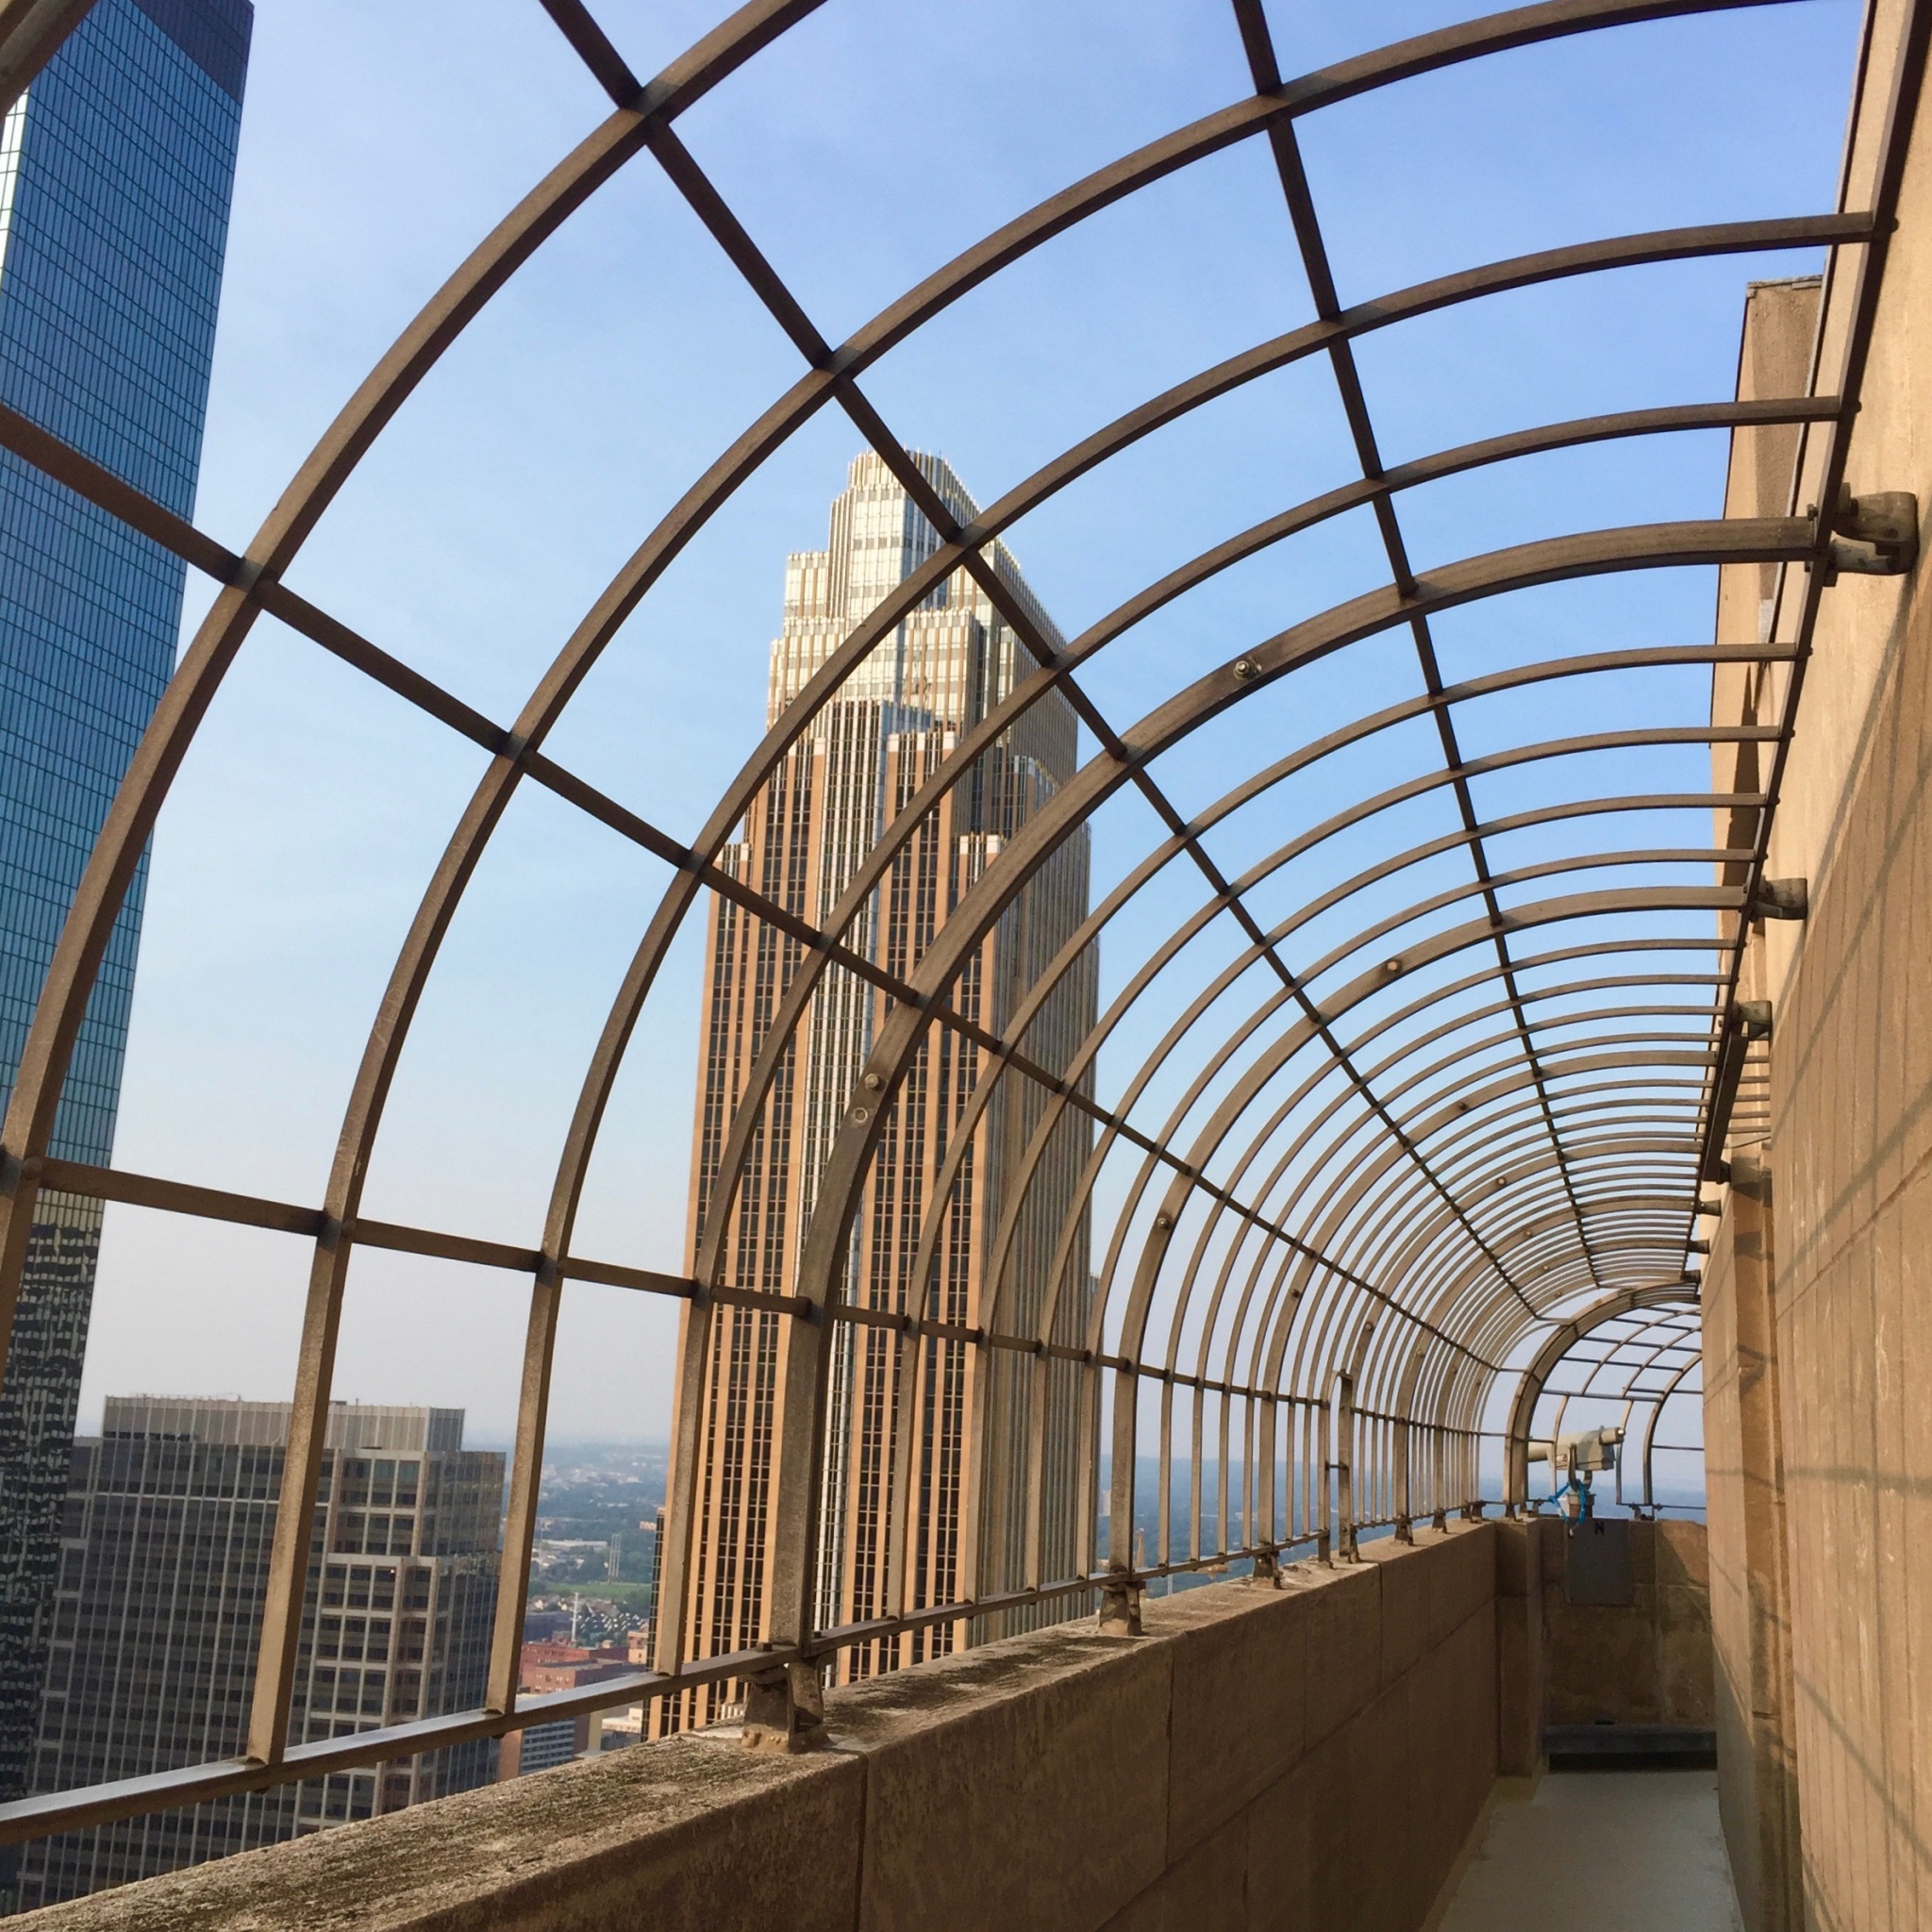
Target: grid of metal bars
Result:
[[1635, 1351], [1369, 1198]]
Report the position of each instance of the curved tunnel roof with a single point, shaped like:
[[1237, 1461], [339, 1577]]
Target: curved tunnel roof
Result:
[[1422, 1072]]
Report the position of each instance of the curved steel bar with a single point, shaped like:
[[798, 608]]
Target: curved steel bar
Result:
[[1554, 1347]]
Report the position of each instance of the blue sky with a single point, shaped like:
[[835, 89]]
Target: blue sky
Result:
[[866, 148]]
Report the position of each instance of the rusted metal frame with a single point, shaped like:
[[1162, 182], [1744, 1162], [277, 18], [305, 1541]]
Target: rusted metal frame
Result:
[[1170, 1419], [1588, 1392], [1489, 1163], [593, 48], [1233, 1344], [1507, 1126], [1191, 929], [163, 743], [1568, 1282], [1551, 869], [1543, 1363], [1901, 111], [1484, 1190], [31, 33], [1415, 1081], [1282, 1321], [1211, 1067], [1638, 1217], [720, 51], [1472, 1272], [1188, 395], [973, 744], [1313, 1015], [1604, 1159], [1722, 1094], [1421, 1251], [1237, 1325], [1235, 1104], [1231, 1109], [1210, 1320], [1228, 978], [1346, 80], [752, 263], [1258, 40], [798, 992], [1614, 1374], [1398, 1017], [1631, 1231], [1496, 1196], [210, 1203], [1417, 1365], [1650, 1441], [1434, 295], [1699, 942], [1097, 191], [1272, 1374], [102, 488]]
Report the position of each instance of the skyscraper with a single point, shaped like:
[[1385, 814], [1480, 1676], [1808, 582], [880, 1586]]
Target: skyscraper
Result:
[[115, 174], [170, 1516], [889, 726]]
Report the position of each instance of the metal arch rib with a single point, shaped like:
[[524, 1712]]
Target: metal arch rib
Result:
[[1559, 1342]]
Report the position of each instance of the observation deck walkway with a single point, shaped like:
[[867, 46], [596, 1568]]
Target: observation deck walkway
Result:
[[1602, 1851]]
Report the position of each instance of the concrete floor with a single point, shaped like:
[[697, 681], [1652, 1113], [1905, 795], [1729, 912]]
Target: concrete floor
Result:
[[1602, 1851]]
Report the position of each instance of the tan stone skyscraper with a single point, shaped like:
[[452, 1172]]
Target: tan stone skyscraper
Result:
[[869, 750]]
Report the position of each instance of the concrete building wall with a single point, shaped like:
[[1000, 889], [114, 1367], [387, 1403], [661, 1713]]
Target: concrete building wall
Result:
[[1649, 1663], [1836, 1186], [1316, 1757]]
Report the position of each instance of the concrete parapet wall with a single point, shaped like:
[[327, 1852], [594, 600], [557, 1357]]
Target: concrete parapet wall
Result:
[[1647, 1664], [1315, 1756]]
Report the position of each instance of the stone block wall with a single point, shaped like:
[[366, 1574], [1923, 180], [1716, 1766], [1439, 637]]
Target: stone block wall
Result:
[[1819, 1316], [1649, 1664], [1309, 1759]]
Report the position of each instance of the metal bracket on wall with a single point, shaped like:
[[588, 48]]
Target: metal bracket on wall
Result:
[[785, 1710], [1268, 1570], [1753, 1017], [1120, 1606], [1884, 533], [1782, 899]]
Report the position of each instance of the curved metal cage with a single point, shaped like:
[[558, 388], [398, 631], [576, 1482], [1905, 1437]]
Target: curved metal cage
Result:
[[1337, 1193]]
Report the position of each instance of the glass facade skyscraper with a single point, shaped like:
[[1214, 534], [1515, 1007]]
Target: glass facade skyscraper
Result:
[[116, 171]]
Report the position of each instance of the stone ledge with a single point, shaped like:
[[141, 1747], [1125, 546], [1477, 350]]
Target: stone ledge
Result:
[[1053, 1780]]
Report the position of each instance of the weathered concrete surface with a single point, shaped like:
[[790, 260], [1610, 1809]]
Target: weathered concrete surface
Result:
[[1757, 1791], [1520, 1689], [679, 1834], [1847, 1146], [1241, 1766], [1649, 1664]]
